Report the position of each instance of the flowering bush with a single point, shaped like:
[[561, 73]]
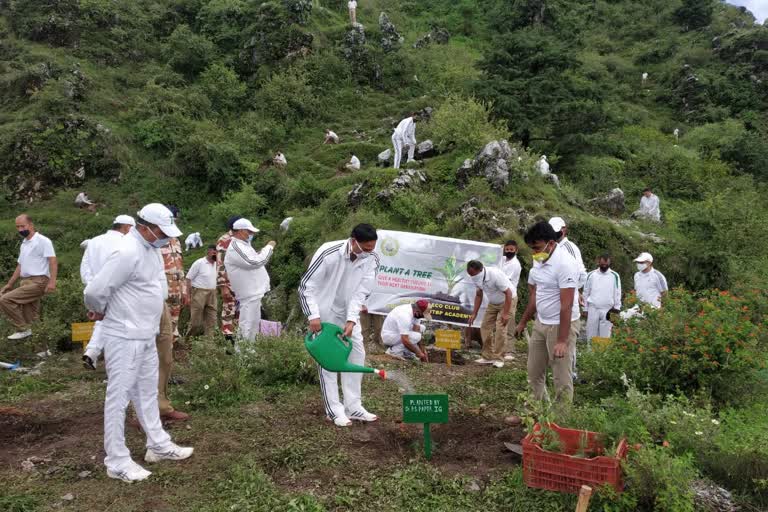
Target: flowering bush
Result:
[[711, 340]]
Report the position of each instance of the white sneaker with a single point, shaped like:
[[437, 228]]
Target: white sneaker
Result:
[[509, 357], [134, 473], [498, 364], [483, 361], [340, 421], [363, 415], [20, 335], [174, 453]]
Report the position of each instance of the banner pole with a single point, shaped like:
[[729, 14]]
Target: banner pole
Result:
[[427, 442]]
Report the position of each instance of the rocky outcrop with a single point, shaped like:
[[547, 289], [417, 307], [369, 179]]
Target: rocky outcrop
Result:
[[489, 163], [406, 179], [356, 196], [425, 149], [385, 158], [299, 11], [437, 35], [612, 202], [391, 40], [55, 154], [481, 220]]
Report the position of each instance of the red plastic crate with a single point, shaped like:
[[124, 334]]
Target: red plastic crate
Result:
[[561, 471]]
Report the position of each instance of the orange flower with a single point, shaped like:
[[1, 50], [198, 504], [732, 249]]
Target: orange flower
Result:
[[728, 350], [640, 349], [663, 349], [675, 356]]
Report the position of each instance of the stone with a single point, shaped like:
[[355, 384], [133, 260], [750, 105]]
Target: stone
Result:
[[481, 220], [406, 179], [473, 486], [391, 40], [384, 158], [612, 202], [438, 35], [84, 474], [709, 497], [27, 465], [356, 196], [489, 163], [513, 420], [425, 149], [68, 497]]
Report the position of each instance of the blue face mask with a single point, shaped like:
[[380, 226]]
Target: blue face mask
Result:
[[250, 238]]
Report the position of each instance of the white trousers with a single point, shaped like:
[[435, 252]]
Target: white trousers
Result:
[[250, 318], [398, 144], [597, 325], [351, 383], [396, 346], [96, 343], [132, 375]]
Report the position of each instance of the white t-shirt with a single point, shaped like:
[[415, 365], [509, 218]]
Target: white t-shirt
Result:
[[352, 4], [559, 271], [494, 283], [399, 321], [34, 254], [512, 270], [649, 287], [354, 162], [603, 289], [202, 273]]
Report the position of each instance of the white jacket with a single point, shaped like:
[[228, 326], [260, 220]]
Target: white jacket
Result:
[[406, 131], [603, 289], [333, 279], [96, 253], [130, 289], [247, 270]]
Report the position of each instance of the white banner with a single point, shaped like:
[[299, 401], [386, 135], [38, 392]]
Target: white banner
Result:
[[415, 266]]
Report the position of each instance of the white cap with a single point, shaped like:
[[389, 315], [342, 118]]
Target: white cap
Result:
[[557, 223], [244, 224], [159, 215], [124, 219], [644, 256]]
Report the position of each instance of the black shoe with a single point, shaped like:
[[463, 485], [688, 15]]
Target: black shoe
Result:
[[88, 363]]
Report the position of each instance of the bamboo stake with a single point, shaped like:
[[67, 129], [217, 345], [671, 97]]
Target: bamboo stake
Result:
[[585, 494]]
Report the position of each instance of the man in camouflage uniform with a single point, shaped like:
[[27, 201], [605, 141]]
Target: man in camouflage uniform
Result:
[[228, 303], [178, 296]]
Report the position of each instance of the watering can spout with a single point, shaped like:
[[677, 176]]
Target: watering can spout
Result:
[[330, 348]]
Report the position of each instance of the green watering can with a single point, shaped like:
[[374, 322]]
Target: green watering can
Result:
[[330, 348]]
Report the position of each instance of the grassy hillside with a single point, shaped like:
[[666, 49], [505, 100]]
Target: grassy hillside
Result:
[[185, 102]]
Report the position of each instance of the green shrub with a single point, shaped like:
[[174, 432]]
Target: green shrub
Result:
[[464, 123], [187, 52], [694, 342], [661, 481], [280, 361], [222, 85], [215, 163], [245, 202], [288, 97]]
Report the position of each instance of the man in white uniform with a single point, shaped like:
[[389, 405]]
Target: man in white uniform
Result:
[[552, 284], [512, 269], [352, 6], [337, 283], [649, 206], [96, 253], [201, 279], [330, 137], [353, 164], [404, 135], [602, 294], [38, 269], [650, 284], [193, 241], [248, 275], [493, 283], [402, 330], [127, 295], [279, 160]]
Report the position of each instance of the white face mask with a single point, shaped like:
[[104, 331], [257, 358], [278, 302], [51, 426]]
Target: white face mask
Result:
[[642, 266], [250, 238], [478, 279], [362, 254]]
